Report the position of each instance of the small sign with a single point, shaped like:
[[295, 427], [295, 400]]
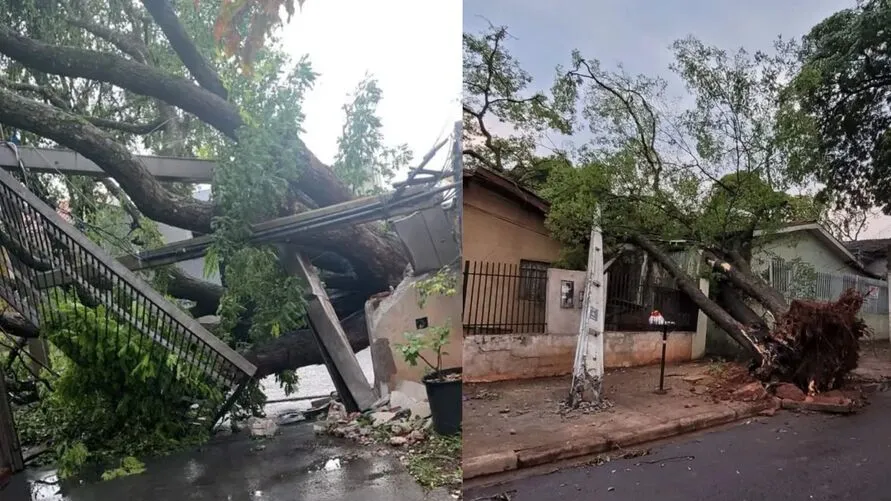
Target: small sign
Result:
[[593, 314], [567, 293]]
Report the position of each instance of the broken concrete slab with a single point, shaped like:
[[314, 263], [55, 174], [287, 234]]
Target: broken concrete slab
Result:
[[414, 390], [788, 391], [382, 417], [750, 392], [400, 400], [290, 418], [832, 406], [262, 427]]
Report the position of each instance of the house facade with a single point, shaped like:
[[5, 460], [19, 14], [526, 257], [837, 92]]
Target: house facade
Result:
[[503, 222], [521, 316]]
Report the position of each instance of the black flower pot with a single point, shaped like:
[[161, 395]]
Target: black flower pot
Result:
[[445, 401]]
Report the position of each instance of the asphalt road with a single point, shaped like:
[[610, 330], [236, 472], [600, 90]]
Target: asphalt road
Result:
[[785, 457]]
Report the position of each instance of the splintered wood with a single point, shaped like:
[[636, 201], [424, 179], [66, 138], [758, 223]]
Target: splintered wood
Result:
[[815, 345]]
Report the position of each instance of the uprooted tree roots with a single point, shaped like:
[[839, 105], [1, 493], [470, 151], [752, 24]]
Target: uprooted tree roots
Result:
[[814, 345]]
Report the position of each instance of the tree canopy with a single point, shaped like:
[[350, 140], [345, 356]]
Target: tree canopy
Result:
[[836, 113]]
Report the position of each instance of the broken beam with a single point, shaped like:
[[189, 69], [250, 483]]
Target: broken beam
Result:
[[51, 161], [280, 230], [355, 392]]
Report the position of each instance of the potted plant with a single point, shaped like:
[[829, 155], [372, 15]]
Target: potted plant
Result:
[[443, 385]]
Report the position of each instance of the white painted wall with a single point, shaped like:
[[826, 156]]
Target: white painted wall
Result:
[[800, 245]]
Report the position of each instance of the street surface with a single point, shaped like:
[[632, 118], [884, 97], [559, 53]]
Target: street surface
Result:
[[289, 467], [785, 457]]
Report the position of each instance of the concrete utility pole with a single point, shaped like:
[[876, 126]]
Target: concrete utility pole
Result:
[[587, 371]]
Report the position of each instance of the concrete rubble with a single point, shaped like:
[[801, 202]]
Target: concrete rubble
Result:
[[402, 419], [262, 427]]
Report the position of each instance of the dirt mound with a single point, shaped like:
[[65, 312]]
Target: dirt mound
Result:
[[815, 345], [733, 382]]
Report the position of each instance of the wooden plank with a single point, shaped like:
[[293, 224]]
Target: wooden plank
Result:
[[10, 450], [332, 339], [178, 169]]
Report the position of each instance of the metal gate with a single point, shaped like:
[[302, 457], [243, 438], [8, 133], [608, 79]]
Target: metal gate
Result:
[[47, 261]]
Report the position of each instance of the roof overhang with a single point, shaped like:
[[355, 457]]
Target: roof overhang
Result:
[[504, 186], [818, 231]]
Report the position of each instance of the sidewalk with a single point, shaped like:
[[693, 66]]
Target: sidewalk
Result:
[[519, 424]]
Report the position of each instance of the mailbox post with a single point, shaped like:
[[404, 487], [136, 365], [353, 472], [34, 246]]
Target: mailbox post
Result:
[[657, 320]]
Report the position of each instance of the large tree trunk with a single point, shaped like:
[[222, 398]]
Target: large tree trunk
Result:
[[740, 274], [300, 349], [740, 333]]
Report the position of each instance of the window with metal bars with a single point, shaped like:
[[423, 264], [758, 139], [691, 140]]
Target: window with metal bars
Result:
[[533, 280]]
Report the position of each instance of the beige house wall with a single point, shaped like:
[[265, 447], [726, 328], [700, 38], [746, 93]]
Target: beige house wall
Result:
[[498, 229], [499, 233], [391, 317]]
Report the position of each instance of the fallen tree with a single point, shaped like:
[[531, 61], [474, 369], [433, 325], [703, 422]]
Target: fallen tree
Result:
[[813, 345], [102, 77], [707, 177]]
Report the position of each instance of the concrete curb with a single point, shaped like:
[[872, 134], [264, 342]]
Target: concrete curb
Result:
[[875, 387], [500, 462]]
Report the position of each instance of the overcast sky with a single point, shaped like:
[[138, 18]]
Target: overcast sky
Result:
[[412, 47], [638, 33]]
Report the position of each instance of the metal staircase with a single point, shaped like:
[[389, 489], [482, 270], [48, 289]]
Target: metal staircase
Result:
[[38, 243]]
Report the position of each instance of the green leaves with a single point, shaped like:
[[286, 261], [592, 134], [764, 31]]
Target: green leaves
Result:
[[433, 340], [117, 393], [442, 283], [836, 118], [363, 162], [496, 90]]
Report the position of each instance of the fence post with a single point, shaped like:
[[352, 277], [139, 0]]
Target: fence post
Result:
[[10, 450], [699, 339]]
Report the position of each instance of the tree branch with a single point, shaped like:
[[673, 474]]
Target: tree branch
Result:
[[299, 349], [130, 128], [16, 325], [125, 73], [163, 14], [131, 46], [316, 179], [742, 278], [41, 90], [146, 192], [206, 295], [723, 319]]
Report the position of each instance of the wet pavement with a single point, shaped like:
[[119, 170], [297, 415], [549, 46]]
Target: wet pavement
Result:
[[289, 467], [789, 456]]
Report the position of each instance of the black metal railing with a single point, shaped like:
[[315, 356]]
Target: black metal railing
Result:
[[632, 295], [502, 298], [97, 294]]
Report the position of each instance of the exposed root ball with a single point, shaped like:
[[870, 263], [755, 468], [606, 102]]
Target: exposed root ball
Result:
[[815, 344]]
